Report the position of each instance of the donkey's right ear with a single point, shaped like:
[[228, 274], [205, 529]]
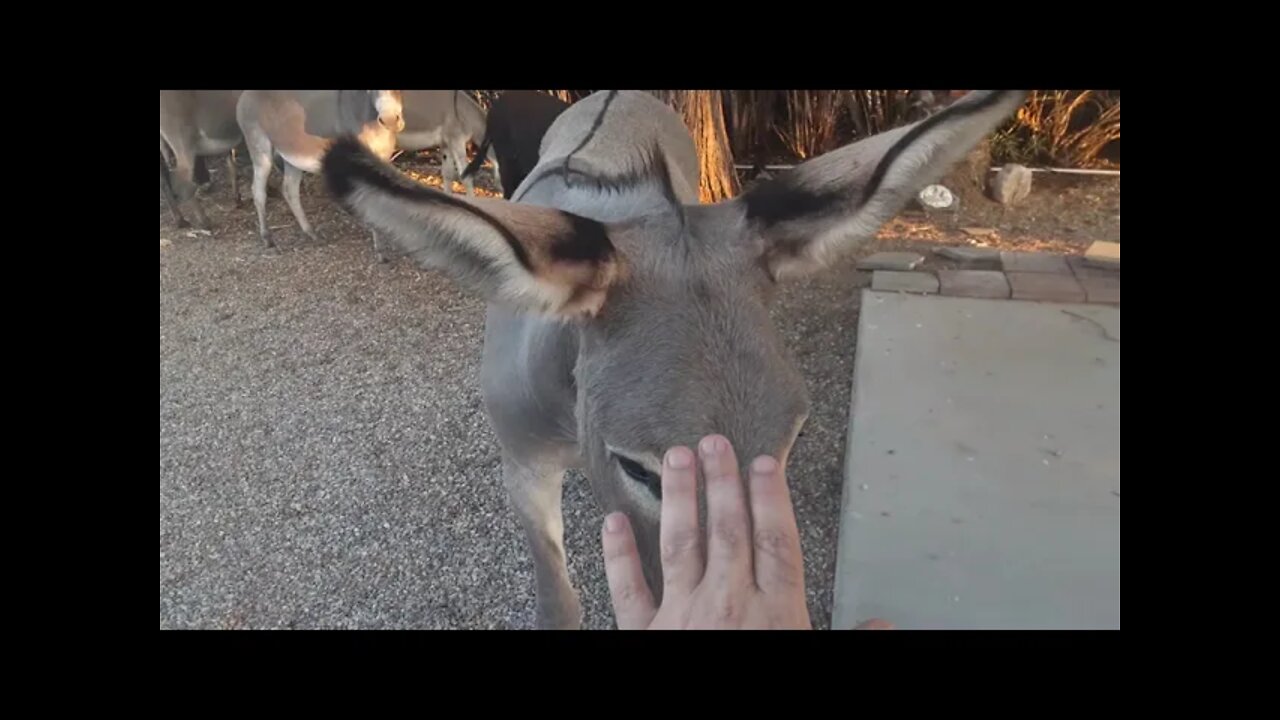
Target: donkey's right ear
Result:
[[531, 257], [808, 216]]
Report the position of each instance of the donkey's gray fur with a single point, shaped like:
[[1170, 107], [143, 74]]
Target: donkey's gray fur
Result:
[[195, 123], [299, 125], [624, 317], [444, 117]]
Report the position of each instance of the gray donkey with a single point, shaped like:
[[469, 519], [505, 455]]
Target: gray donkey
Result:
[[624, 317], [195, 123], [444, 117], [299, 125]]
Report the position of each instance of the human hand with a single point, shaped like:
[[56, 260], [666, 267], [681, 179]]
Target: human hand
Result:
[[751, 574]]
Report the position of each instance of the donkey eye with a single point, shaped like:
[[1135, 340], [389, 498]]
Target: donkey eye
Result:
[[642, 475]]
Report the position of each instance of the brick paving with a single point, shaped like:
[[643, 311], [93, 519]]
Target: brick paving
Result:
[[1045, 277]]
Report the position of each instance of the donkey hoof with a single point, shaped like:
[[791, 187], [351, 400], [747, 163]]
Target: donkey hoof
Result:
[[315, 237], [267, 241]]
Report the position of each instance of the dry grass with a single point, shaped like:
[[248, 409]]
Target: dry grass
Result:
[[1068, 128], [812, 117], [437, 182]]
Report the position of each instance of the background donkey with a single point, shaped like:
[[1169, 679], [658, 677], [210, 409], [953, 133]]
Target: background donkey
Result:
[[514, 128], [624, 317], [299, 125], [451, 118], [195, 123]]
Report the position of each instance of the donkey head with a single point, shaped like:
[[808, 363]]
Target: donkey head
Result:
[[671, 305], [365, 106]]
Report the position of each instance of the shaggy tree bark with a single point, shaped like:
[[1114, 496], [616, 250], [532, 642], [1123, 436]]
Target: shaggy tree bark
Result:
[[703, 113]]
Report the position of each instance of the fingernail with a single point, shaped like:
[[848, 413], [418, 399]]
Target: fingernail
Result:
[[679, 458], [764, 465], [613, 522], [711, 445]]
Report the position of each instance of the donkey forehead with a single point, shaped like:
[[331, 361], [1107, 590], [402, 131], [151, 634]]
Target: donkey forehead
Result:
[[669, 361]]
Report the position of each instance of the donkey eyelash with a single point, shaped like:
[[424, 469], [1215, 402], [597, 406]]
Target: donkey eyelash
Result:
[[634, 470]]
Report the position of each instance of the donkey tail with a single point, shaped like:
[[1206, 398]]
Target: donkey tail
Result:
[[481, 152]]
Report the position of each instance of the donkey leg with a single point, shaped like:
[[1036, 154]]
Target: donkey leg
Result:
[[235, 178], [166, 189], [165, 152], [377, 249], [292, 188], [448, 173], [497, 176], [260, 155], [186, 189], [457, 155], [535, 493]]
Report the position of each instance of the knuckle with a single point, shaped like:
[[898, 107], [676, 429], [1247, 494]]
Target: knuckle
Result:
[[725, 609], [782, 552], [616, 553], [678, 545], [626, 594], [728, 534]]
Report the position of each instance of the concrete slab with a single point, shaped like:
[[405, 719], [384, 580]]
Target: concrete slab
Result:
[[982, 477]]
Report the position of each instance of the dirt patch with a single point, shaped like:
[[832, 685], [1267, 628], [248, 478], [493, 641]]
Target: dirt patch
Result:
[[1064, 214]]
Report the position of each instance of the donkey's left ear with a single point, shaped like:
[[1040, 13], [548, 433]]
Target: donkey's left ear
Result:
[[534, 258], [808, 216]]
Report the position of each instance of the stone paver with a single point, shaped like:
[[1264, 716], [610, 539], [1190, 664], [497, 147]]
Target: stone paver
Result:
[[1034, 262], [968, 254], [895, 281], [1101, 289], [1103, 254], [901, 261], [1045, 286], [1083, 270], [974, 283]]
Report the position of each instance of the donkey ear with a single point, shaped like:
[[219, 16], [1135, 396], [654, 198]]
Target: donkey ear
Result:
[[809, 215], [531, 257]]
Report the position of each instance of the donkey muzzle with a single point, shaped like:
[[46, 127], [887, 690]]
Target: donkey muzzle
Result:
[[394, 123]]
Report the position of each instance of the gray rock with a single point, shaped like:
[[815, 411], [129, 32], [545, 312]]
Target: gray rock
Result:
[[1012, 184], [937, 197]]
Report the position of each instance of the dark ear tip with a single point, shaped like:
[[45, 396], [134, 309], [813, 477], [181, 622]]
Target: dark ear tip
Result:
[[341, 163]]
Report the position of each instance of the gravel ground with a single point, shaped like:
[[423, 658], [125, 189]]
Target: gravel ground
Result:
[[325, 460]]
